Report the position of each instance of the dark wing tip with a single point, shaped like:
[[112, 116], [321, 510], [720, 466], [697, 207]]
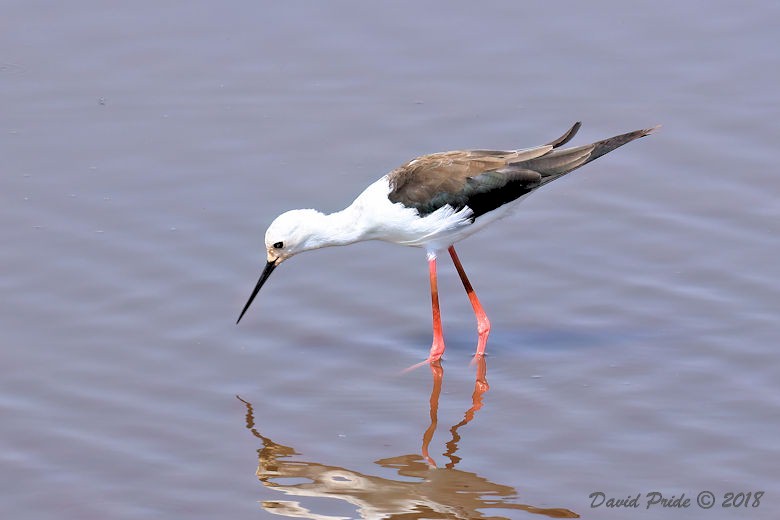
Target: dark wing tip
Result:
[[565, 138]]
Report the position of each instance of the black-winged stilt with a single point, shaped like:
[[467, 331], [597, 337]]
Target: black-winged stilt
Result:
[[432, 202]]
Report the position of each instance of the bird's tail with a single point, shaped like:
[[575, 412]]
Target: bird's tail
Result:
[[607, 145], [560, 162]]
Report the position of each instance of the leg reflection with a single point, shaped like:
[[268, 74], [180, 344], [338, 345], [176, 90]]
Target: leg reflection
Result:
[[480, 387], [438, 375]]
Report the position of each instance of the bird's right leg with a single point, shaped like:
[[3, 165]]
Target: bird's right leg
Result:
[[437, 349]]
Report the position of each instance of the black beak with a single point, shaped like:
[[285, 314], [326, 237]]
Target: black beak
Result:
[[269, 268]]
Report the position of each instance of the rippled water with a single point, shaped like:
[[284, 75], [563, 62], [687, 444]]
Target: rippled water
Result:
[[634, 304]]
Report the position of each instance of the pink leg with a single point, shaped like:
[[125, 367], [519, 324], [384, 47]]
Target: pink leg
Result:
[[483, 323], [437, 349]]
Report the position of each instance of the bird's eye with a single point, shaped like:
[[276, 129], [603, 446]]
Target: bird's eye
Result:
[[278, 245]]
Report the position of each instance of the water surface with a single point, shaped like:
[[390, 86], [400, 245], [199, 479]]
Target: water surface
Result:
[[634, 304]]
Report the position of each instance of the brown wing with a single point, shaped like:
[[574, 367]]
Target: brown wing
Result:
[[455, 178], [486, 179]]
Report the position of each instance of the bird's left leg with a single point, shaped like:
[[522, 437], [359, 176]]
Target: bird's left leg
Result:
[[483, 323]]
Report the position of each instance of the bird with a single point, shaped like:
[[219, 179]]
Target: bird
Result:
[[432, 202]]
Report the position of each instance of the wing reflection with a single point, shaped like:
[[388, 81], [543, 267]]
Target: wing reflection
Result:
[[434, 492]]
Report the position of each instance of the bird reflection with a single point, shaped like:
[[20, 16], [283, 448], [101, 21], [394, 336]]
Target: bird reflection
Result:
[[433, 493]]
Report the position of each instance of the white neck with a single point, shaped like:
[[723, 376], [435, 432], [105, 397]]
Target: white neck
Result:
[[336, 229]]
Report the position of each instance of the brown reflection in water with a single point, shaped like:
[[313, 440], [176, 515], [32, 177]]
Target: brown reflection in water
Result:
[[480, 387], [437, 492]]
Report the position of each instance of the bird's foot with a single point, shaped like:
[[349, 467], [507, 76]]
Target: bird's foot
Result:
[[478, 357], [437, 349], [434, 356], [481, 342], [429, 361]]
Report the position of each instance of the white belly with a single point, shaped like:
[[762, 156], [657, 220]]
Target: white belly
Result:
[[401, 225]]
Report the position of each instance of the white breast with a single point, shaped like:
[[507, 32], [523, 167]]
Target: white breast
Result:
[[401, 225]]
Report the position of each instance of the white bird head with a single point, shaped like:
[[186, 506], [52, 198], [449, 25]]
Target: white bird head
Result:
[[289, 234]]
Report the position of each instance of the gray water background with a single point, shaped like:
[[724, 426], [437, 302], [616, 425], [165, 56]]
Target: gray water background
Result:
[[145, 147]]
